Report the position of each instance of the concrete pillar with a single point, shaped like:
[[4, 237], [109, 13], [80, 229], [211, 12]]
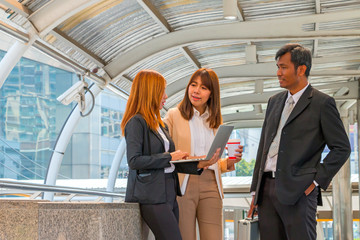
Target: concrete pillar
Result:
[[342, 206], [358, 147]]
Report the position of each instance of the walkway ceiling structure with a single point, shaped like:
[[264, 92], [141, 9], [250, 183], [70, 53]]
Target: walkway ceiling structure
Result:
[[113, 39]]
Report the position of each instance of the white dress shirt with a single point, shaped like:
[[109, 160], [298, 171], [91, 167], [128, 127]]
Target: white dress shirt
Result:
[[202, 137], [201, 134], [167, 146]]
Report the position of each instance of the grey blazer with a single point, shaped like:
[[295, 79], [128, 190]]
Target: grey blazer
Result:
[[313, 123], [147, 159]]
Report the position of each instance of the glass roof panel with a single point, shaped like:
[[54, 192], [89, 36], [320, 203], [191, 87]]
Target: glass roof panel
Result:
[[214, 54], [111, 27], [172, 64], [191, 13], [338, 47], [338, 5], [268, 9], [34, 4]]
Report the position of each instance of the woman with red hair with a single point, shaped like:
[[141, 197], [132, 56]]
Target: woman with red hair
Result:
[[153, 180]]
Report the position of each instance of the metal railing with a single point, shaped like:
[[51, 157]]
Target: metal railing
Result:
[[17, 151], [39, 188]]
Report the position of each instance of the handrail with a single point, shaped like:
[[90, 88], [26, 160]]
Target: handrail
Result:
[[51, 188], [18, 162], [26, 157], [12, 170], [21, 154]]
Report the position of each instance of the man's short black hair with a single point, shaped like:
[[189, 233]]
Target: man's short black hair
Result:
[[299, 55]]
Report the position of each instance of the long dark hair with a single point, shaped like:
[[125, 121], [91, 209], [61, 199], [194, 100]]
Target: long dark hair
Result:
[[211, 81]]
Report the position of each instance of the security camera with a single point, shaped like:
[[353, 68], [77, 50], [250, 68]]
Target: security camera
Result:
[[75, 93]]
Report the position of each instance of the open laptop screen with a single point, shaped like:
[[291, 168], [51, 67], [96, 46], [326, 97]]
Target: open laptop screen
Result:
[[221, 138]]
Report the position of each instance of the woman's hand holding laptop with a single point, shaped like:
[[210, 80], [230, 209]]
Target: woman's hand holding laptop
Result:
[[180, 155], [207, 163]]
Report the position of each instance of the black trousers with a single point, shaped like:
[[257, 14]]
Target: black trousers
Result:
[[163, 219], [286, 222]]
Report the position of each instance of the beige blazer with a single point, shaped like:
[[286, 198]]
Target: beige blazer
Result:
[[179, 130]]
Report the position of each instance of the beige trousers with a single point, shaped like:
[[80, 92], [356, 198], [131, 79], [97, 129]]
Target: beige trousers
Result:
[[202, 202]]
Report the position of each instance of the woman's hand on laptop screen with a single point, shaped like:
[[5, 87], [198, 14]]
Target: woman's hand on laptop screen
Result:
[[207, 163], [178, 155]]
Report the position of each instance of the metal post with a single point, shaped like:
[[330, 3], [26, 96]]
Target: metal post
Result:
[[320, 231], [63, 141], [342, 207], [115, 165], [358, 148], [12, 57]]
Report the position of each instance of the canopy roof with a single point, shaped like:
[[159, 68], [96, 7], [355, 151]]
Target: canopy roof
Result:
[[175, 37]]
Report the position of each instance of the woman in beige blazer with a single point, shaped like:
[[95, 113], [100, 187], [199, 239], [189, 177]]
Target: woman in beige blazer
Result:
[[192, 126]]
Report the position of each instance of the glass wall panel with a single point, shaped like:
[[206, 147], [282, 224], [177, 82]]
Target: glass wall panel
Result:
[[354, 161], [249, 138], [95, 141], [328, 229], [31, 117]]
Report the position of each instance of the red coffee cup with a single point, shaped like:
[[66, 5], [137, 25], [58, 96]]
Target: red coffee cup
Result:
[[232, 145]]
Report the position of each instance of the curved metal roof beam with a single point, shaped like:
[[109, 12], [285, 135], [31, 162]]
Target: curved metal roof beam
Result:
[[161, 21], [17, 7], [46, 16], [14, 33], [55, 12], [267, 70], [155, 14], [50, 51], [255, 119], [75, 45], [316, 41], [243, 116], [246, 124], [291, 28], [254, 98]]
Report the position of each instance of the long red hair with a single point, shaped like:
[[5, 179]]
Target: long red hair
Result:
[[145, 97]]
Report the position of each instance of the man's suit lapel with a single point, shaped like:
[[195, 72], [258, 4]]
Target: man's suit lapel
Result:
[[277, 106], [279, 102], [303, 102]]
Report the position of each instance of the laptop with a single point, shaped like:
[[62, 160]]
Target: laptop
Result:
[[221, 138]]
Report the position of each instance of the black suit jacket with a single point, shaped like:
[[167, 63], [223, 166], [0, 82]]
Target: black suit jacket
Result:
[[147, 159], [313, 123]]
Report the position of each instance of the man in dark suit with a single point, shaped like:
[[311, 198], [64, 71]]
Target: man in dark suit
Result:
[[288, 173]]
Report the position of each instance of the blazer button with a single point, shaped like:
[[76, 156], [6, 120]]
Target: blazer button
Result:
[[281, 151]]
